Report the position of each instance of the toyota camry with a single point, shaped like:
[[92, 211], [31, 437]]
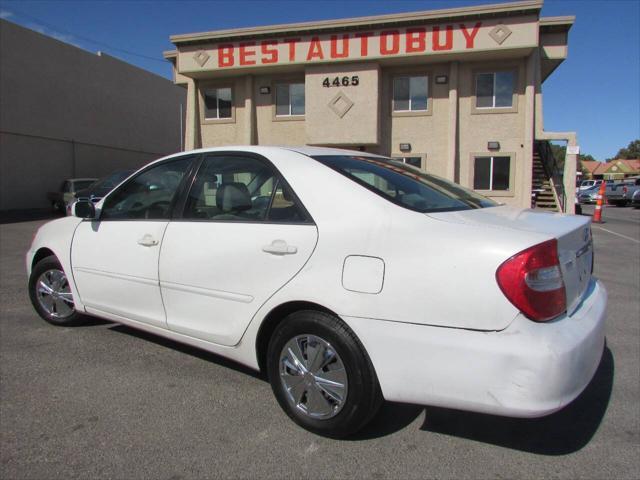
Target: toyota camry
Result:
[[348, 278]]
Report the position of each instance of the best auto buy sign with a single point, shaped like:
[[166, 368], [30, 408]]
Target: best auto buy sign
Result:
[[359, 45]]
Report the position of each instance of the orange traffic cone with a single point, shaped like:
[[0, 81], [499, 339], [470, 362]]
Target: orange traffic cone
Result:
[[597, 214]]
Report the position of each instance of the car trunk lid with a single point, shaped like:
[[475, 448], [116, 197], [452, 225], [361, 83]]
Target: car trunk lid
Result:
[[573, 233]]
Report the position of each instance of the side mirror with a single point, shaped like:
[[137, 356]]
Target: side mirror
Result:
[[84, 209]]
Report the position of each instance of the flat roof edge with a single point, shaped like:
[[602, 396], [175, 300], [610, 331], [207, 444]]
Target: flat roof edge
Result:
[[566, 21], [533, 5]]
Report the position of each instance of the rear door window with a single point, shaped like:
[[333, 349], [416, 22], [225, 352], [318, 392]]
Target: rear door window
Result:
[[240, 188]]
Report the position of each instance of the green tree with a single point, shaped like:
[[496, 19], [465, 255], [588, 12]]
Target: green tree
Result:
[[632, 151], [559, 152]]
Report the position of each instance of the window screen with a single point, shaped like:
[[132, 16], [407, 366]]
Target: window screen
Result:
[[290, 99], [410, 93], [495, 90]]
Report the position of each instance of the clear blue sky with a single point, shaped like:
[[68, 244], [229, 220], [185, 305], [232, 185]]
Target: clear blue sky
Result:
[[595, 92]]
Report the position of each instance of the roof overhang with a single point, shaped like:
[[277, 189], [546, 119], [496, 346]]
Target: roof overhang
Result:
[[554, 39]]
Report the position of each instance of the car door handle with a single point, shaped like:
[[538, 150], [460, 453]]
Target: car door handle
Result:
[[148, 241], [280, 247]]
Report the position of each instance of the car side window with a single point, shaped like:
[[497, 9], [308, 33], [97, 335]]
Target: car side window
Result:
[[284, 207], [240, 188], [148, 195], [230, 188]]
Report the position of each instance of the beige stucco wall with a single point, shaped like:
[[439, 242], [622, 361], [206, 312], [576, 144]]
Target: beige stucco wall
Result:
[[66, 112], [426, 132], [330, 126], [224, 131], [477, 129], [281, 131]]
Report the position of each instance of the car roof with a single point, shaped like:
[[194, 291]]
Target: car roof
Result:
[[80, 179], [270, 149]]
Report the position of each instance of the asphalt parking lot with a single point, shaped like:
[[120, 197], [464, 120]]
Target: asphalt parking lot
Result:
[[106, 401]]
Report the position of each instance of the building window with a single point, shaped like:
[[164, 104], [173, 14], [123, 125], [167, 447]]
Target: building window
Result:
[[413, 161], [289, 99], [217, 103], [491, 173], [410, 94], [495, 90]]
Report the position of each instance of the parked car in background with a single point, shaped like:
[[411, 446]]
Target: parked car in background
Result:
[[325, 268], [100, 188], [635, 200], [589, 195], [587, 184], [66, 194], [620, 194]]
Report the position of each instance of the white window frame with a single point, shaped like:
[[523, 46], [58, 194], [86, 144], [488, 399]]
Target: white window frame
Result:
[[217, 89], [493, 97], [275, 102], [393, 94], [404, 160]]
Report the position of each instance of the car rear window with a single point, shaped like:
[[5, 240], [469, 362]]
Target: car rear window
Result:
[[405, 185]]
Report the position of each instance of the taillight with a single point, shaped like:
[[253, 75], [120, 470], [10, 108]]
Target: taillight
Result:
[[532, 281]]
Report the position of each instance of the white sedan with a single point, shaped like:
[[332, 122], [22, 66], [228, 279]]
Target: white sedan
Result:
[[348, 277]]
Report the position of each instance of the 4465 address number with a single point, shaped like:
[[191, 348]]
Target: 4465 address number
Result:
[[341, 81]]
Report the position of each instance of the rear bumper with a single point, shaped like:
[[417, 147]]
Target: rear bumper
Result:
[[527, 370]]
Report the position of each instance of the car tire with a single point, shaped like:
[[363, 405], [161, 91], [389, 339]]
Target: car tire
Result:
[[312, 396], [51, 295]]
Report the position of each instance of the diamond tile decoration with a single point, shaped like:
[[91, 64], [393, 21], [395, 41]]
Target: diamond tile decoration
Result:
[[340, 104], [500, 33], [201, 57]]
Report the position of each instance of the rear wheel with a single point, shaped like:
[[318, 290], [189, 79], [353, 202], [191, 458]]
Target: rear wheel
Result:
[[51, 295], [321, 375]]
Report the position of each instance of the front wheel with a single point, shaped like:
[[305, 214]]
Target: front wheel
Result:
[[50, 293], [321, 375]]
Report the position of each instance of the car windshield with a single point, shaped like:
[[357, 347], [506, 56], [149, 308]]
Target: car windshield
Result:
[[405, 185], [110, 181]]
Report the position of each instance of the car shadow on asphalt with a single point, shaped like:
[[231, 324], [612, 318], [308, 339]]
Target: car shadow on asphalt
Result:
[[561, 433], [187, 349]]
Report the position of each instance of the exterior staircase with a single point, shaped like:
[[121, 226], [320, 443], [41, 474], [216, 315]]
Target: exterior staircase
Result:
[[542, 195]]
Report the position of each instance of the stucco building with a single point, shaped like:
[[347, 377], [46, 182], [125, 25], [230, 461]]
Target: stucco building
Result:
[[66, 112], [456, 92]]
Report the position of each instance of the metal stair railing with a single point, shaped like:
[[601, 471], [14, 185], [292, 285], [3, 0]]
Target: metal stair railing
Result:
[[553, 172]]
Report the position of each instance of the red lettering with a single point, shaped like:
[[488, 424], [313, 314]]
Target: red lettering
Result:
[[470, 37], [385, 49], [345, 46], [245, 55], [292, 48], [416, 40], [364, 42], [448, 45], [225, 55], [269, 55], [315, 49]]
